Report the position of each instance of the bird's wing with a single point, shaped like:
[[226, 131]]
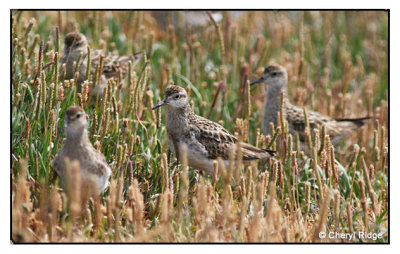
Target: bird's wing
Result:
[[335, 128], [218, 141], [113, 63], [98, 168], [215, 138], [297, 124], [251, 152], [210, 129]]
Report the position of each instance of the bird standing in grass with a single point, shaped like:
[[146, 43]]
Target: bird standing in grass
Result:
[[205, 140], [276, 78], [77, 147], [76, 45]]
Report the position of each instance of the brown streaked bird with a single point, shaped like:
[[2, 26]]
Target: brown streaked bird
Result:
[[276, 78], [77, 146], [76, 44], [205, 140]]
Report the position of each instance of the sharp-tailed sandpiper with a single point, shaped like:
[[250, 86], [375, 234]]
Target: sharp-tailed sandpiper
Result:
[[205, 140], [77, 147], [276, 78]]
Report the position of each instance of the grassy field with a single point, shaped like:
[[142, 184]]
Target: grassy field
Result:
[[337, 64]]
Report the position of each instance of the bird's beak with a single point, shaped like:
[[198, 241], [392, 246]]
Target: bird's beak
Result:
[[162, 103], [261, 79]]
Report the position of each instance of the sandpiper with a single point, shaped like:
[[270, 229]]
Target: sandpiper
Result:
[[77, 146], [205, 140], [76, 44], [276, 78]]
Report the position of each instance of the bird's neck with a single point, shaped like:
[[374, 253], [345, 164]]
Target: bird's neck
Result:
[[77, 137], [274, 94], [177, 118], [272, 106], [72, 57]]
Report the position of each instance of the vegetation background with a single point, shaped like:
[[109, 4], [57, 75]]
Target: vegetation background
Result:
[[337, 64]]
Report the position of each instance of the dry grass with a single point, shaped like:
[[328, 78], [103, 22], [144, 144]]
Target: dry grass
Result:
[[337, 64]]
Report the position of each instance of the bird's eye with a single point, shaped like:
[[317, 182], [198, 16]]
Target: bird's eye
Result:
[[177, 96], [274, 74], [78, 115], [77, 44]]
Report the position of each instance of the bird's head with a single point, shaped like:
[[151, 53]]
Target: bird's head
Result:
[[75, 42], [175, 97], [76, 120], [274, 75]]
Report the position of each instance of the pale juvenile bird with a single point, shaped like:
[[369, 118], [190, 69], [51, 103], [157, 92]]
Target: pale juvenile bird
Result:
[[276, 78], [94, 169], [205, 140], [76, 44]]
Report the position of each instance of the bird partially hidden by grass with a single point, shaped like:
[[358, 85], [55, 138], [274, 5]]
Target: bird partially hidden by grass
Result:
[[204, 140], [76, 46], [276, 78], [93, 168]]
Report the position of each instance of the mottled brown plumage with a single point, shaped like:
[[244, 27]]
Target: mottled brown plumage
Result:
[[172, 90], [76, 44], [276, 78], [205, 140]]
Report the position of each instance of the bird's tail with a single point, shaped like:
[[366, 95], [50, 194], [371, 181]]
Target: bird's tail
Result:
[[253, 153], [357, 121], [270, 152]]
